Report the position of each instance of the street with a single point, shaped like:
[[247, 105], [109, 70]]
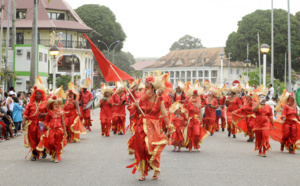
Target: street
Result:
[[98, 160]]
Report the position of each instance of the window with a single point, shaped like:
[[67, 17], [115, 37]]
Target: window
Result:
[[21, 14], [45, 58], [206, 73], [28, 56], [182, 73], [214, 73], [20, 38], [56, 16], [238, 71], [172, 74], [66, 63], [231, 71], [200, 74], [40, 57]]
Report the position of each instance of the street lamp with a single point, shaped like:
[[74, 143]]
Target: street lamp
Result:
[[221, 56], [265, 49], [73, 59], [54, 52], [248, 64], [108, 48], [114, 51]]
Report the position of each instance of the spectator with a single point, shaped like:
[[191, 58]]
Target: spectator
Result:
[[12, 89], [271, 92], [2, 131], [17, 116], [1, 96], [10, 101], [28, 96], [8, 124]]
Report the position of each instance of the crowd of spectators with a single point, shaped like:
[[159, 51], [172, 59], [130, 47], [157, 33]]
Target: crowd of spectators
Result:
[[12, 105]]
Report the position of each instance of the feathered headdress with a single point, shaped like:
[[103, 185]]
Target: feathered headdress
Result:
[[86, 84], [105, 88], [72, 88], [175, 106], [283, 99]]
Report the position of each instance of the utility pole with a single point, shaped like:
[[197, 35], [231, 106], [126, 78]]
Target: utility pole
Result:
[[272, 44], [229, 58], [285, 70], [34, 61], [7, 39], [259, 69], [1, 34], [289, 49], [13, 36]]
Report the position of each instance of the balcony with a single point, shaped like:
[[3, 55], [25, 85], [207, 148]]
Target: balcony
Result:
[[46, 43]]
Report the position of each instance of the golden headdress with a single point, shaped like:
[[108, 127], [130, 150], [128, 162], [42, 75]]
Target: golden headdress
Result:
[[60, 93], [141, 85], [120, 86], [181, 85], [283, 99], [105, 88], [175, 106], [262, 91], [86, 84], [215, 90], [235, 88], [52, 99], [72, 88], [134, 83], [195, 89], [39, 85]]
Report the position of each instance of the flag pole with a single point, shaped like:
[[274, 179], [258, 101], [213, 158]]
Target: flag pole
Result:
[[126, 88]]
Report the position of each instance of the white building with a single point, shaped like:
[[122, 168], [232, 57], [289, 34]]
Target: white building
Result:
[[202, 64]]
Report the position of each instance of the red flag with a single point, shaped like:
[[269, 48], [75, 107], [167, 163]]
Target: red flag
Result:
[[106, 66]]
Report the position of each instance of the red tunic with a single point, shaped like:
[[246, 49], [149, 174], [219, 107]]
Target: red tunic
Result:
[[263, 115], [118, 111], [179, 124], [179, 97], [84, 98], [106, 111]]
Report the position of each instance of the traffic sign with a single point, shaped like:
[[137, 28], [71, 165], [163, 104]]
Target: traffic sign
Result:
[[95, 73], [87, 71], [235, 82]]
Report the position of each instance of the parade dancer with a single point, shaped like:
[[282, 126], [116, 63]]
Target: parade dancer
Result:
[[119, 102], [211, 104], [147, 139], [179, 120], [264, 117], [106, 110], [31, 120], [196, 133], [233, 103], [290, 119], [72, 115], [221, 104], [179, 95], [84, 97], [137, 95], [56, 130]]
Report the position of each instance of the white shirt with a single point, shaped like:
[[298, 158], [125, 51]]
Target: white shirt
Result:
[[271, 92]]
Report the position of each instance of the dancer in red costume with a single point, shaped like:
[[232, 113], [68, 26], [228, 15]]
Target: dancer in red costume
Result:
[[31, 119], [233, 103], [147, 139], [179, 120], [244, 118], [84, 97], [196, 133], [291, 121], [211, 104], [53, 139], [264, 117], [72, 115], [131, 107], [179, 95], [119, 102], [106, 110]]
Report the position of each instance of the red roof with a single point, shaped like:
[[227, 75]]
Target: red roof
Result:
[[43, 18]]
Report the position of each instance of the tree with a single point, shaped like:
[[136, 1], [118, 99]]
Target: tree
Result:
[[260, 21], [63, 81], [102, 20], [186, 42]]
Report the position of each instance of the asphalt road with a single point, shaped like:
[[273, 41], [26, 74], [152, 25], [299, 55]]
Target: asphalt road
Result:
[[98, 160]]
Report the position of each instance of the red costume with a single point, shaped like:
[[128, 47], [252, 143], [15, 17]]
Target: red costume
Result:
[[196, 133], [53, 139], [132, 110], [210, 114], [147, 141], [118, 111], [168, 104], [221, 102], [290, 128], [234, 105], [84, 98], [262, 128], [72, 121], [179, 124], [180, 98], [105, 117], [32, 130]]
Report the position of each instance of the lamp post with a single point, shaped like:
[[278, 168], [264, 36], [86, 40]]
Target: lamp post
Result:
[[108, 47], [248, 64], [265, 48], [54, 52], [221, 56], [114, 52], [73, 60]]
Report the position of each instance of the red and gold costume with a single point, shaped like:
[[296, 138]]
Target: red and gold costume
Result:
[[179, 97], [210, 114], [118, 111], [179, 124], [30, 115], [234, 104], [84, 98], [132, 110], [196, 133], [262, 128], [105, 117], [168, 103]]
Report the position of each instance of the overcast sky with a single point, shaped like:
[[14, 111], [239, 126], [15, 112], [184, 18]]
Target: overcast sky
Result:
[[152, 26]]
